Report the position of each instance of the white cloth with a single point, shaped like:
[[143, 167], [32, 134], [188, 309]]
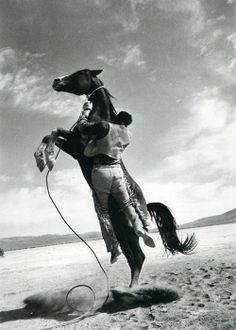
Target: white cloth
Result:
[[44, 155]]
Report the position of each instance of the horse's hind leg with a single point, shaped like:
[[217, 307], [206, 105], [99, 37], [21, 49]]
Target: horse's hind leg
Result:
[[128, 240], [129, 243], [135, 258], [136, 270]]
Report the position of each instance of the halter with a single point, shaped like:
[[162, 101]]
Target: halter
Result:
[[96, 89]]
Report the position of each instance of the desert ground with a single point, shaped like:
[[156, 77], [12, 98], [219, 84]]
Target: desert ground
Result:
[[204, 282]]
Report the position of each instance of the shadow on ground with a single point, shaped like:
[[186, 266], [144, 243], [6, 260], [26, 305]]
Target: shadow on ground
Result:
[[143, 296], [46, 305], [53, 305]]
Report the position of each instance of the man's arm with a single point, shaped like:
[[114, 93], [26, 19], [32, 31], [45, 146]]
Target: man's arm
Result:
[[99, 129]]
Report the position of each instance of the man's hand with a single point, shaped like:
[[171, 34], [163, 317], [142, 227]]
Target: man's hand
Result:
[[87, 106], [83, 117], [86, 110]]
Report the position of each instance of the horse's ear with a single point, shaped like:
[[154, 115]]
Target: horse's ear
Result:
[[95, 72]]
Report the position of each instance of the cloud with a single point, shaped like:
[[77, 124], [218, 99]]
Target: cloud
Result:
[[128, 14], [228, 71], [218, 50], [5, 178], [213, 21], [232, 39], [26, 85], [99, 2], [26, 207], [216, 43], [210, 112], [125, 14], [193, 8], [124, 57], [198, 178], [208, 134], [109, 60], [134, 56], [180, 6], [191, 200]]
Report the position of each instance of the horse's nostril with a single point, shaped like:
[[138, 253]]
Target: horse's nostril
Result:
[[56, 83]]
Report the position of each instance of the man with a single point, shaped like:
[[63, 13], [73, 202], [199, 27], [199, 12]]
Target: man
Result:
[[106, 147]]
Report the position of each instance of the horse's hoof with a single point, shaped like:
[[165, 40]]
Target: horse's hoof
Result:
[[148, 240], [114, 256]]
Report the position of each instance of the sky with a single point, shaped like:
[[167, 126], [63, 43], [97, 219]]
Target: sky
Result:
[[171, 64]]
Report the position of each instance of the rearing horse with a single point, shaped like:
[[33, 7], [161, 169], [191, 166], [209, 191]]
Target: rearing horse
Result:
[[86, 82]]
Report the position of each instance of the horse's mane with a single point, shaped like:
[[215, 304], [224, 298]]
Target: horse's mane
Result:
[[113, 111]]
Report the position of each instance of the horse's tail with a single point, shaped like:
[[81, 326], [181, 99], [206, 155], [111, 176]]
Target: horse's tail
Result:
[[167, 228]]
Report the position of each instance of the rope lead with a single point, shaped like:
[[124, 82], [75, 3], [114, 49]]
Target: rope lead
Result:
[[81, 238]]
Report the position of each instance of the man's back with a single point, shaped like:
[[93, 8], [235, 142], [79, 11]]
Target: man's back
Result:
[[112, 144]]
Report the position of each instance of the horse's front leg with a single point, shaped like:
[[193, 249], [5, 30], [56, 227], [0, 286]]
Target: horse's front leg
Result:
[[40, 153], [44, 155], [70, 142], [55, 134], [61, 132], [57, 137], [49, 150]]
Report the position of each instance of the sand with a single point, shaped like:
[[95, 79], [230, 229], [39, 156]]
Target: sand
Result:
[[204, 282]]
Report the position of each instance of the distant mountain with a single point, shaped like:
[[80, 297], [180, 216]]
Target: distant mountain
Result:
[[26, 242], [228, 217]]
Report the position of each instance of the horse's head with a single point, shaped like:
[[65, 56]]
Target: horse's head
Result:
[[86, 82], [79, 83]]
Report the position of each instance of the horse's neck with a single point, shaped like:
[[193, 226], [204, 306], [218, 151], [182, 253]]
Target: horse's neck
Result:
[[101, 107]]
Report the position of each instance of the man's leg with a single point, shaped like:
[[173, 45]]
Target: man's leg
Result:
[[108, 234], [101, 180]]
